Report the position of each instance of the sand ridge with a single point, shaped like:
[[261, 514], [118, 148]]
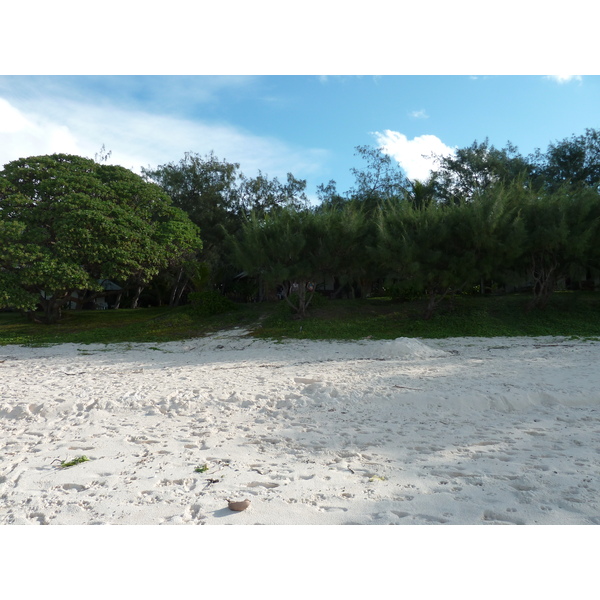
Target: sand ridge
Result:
[[454, 431]]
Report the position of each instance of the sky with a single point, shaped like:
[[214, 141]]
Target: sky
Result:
[[307, 125]]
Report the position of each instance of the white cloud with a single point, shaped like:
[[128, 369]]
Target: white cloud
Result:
[[23, 134], [137, 139], [414, 156], [564, 78], [11, 120], [419, 114]]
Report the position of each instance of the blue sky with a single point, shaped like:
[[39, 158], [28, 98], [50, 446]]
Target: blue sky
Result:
[[306, 125], [250, 81]]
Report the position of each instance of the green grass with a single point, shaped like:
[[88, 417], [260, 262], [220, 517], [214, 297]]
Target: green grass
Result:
[[574, 314], [568, 314], [123, 325]]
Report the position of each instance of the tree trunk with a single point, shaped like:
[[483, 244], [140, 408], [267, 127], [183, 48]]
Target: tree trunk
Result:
[[431, 304], [303, 302], [180, 291], [302, 299], [52, 308], [173, 300], [544, 282], [136, 298], [435, 299]]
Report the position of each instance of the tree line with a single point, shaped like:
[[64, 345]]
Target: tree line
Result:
[[485, 217]]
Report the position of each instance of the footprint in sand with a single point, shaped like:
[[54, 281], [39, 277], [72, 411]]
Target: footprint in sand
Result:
[[508, 517]]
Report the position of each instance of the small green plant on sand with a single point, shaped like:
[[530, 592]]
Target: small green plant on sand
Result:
[[75, 461], [201, 469]]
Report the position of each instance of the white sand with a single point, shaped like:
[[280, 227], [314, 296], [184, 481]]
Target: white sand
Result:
[[457, 431]]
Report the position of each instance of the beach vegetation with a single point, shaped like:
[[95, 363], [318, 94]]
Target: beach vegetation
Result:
[[218, 198], [462, 315], [486, 222], [280, 249], [71, 463], [210, 302], [68, 223]]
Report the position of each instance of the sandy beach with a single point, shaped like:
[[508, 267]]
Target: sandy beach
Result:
[[467, 431]]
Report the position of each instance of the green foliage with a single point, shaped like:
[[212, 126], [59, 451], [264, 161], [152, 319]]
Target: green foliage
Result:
[[559, 238], [343, 244], [567, 314], [574, 162], [210, 302], [218, 198], [484, 218], [403, 292], [260, 195], [68, 222], [161, 324], [12, 294], [205, 188], [381, 180], [75, 461], [472, 170], [279, 248], [199, 275], [439, 248], [506, 230], [292, 248]]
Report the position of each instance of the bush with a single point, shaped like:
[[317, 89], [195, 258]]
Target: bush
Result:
[[210, 303], [404, 291]]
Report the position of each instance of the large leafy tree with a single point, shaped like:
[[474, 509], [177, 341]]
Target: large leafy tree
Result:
[[66, 222], [260, 194], [573, 161], [471, 170], [329, 197], [205, 187], [381, 180], [218, 198]]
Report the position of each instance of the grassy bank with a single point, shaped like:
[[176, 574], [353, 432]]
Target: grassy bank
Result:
[[568, 314], [123, 325]]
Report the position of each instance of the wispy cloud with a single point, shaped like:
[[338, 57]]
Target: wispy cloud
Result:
[[139, 138], [419, 114], [565, 78], [414, 156], [23, 134]]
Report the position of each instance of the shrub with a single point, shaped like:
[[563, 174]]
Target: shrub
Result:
[[210, 303], [404, 291]]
